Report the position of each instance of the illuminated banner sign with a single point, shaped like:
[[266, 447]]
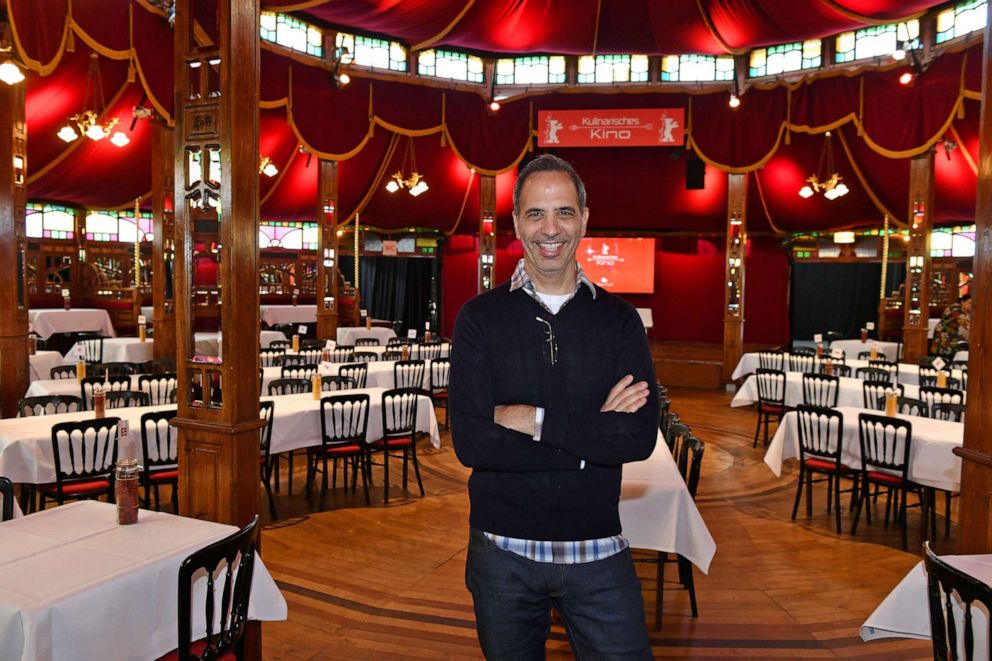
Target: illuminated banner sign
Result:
[[634, 127]]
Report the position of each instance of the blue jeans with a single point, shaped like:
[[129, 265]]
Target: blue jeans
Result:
[[600, 604]]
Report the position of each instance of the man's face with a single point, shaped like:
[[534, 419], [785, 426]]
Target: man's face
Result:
[[549, 223]]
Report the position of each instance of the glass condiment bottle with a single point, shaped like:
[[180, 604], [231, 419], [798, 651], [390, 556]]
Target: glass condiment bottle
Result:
[[32, 344], [99, 401], [405, 354], [126, 476], [864, 335], [873, 353], [941, 379], [315, 385], [368, 323], [828, 367], [819, 349], [296, 344], [890, 403], [80, 369], [142, 333]]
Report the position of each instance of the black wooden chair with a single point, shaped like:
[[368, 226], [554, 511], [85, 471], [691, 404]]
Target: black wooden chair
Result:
[[907, 406], [48, 405], [820, 390], [92, 346], [298, 371], [365, 357], [159, 456], [409, 374], [821, 434], [288, 360], [677, 433], [160, 388], [392, 355], [947, 411], [85, 452], [267, 464], [63, 372], [311, 344], [366, 341], [873, 393], [802, 363], [267, 357], [399, 420], [121, 369], [344, 421], [109, 384], [358, 372], [802, 351], [342, 353], [948, 588], [333, 383], [289, 386], [933, 395], [771, 360], [440, 369], [429, 351], [891, 367], [838, 369], [280, 344], [873, 374], [6, 499], [771, 399], [158, 365], [119, 399]]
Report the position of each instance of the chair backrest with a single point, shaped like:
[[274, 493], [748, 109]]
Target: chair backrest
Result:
[[820, 389], [232, 560], [429, 350], [771, 386], [392, 355], [344, 419], [802, 351], [664, 405], [689, 462], [839, 369], [890, 367], [161, 388], [288, 359], [909, 406], [874, 374], [313, 356], [366, 341], [365, 357], [48, 405], [289, 386], [932, 394], [399, 412], [287, 330], [335, 382], [158, 365], [110, 383], [398, 341], [358, 372], [298, 371], [409, 373], [677, 433], [7, 502], [947, 411], [311, 343], [885, 442], [949, 591], [266, 411], [802, 363], [267, 357], [84, 449], [120, 369], [342, 353], [820, 432], [874, 391], [118, 399], [279, 344], [864, 355], [931, 381], [63, 372], [440, 369], [159, 440], [92, 346]]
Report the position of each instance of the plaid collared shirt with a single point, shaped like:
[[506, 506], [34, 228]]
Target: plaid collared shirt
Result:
[[562, 553]]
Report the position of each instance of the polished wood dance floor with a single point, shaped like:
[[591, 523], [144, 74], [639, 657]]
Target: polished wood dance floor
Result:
[[387, 582]]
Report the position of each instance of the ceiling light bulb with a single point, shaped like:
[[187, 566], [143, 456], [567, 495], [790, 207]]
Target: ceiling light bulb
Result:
[[494, 106], [805, 192], [421, 187], [270, 169], [906, 78], [734, 101], [95, 132], [119, 139], [831, 194], [10, 73], [842, 189], [392, 186], [343, 79], [67, 133], [899, 55]]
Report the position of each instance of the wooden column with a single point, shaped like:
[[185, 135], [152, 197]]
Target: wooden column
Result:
[[918, 263], [13, 299], [327, 249], [733, 308], [487, 232], [216, 175], [164, 240], [975, 521]]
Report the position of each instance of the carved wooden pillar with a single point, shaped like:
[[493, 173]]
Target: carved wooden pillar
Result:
[[487, 232], [918, 271], [216, 182], [164, 240], [13, 299], [975, 522], [733, 309], [327, 249]]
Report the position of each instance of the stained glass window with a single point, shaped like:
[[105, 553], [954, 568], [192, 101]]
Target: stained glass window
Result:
[[291, 235], [960, 20], [953, 241], [371, 52], [531, 70], [784, 58], [291, 33], [451, 65], [49, 221], [877, 41], [703, 68], [118, 226], [613, 69]]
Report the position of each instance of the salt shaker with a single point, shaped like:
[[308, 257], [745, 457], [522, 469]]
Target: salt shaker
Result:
[[126, 490]]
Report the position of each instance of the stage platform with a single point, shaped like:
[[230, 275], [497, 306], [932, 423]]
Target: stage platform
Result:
[[691, 364]]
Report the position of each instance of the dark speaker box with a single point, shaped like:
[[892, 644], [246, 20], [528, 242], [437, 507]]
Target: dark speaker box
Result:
[[695, 174]]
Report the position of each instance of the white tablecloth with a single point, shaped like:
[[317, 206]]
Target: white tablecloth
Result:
[[123, 350], [850, 391], [379, 375], [348, 334], [657, 512], [75, 585], [932, 326], [46, 322], [41, 363], [931, 460], [961, 355], [287, 314], [853, 347], [904, 613], [208, 344], [908, 374]]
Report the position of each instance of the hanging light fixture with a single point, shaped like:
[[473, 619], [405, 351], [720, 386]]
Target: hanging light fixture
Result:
[[267, 167], [88, 121], [415, 183], [825, 180], [10, 72]]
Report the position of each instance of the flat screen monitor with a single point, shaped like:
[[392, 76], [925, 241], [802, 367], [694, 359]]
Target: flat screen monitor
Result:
[[619, 265]]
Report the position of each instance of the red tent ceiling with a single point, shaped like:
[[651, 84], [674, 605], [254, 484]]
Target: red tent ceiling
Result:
[[776, 134]]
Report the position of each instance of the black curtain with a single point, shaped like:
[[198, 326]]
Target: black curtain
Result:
[[403, 289], [833, 297]]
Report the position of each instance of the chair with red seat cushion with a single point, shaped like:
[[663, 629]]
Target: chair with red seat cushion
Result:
[[344, 421], [439, 371], [820, 389], [821, 432], [85, 452], [771, 399], [885, 450], [225, 613], [409, 373], [159, 455], [399, 420]]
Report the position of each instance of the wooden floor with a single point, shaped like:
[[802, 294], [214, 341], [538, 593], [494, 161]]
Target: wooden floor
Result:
[[387, 582]]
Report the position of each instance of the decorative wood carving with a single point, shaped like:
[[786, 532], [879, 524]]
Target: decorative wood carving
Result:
[[487, 232], [733, 310], [918, 264], [328, 300], [164, 242]]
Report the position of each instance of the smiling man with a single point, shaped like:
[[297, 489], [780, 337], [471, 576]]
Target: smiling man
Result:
[[552, 391]]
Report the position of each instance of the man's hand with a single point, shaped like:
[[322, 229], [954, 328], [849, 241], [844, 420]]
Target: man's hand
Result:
[[626, 396], [518, 417]]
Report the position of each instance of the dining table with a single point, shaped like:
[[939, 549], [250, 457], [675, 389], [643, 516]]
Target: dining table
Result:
[[287, 314], [40, 364], [123, 350], [908, 374], [46, 321], [76, 585], [850, 391], [348, 334], [891, 350], [209, 343]]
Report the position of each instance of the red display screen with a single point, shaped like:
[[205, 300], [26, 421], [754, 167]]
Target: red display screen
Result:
[[618, 265]]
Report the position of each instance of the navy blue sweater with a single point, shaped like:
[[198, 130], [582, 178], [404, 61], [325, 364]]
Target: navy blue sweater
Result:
[[536, 490]]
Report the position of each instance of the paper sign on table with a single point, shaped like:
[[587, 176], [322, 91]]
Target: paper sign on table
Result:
[[302, 329], [818, 338], [938, 363], [836, 353], [80, 351], [870, 325], [142, 320], [412, 334]]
